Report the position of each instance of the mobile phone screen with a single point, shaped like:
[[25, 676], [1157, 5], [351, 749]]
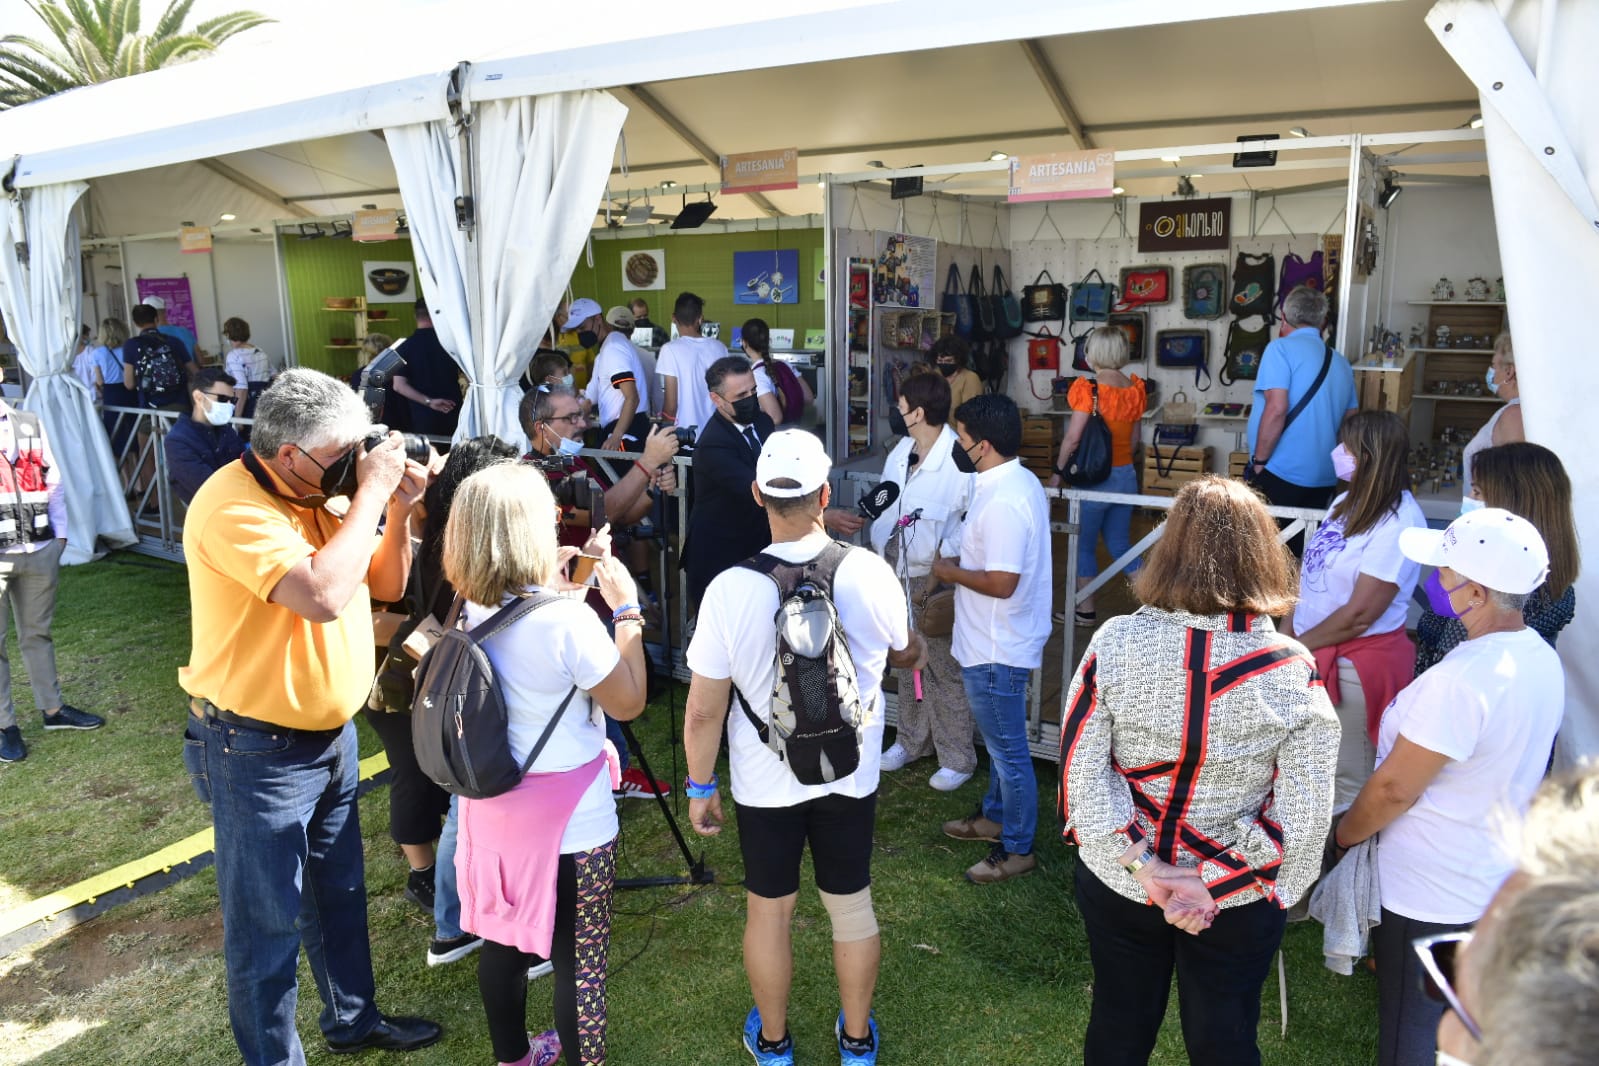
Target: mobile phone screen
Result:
[[583, 571]]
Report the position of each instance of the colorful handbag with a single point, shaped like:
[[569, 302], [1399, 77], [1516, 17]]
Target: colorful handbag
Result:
[[1244, 349], [1043, 302], [1205, 290], [1006, 311], [1183, 349], [957, 302], [1145, 285], [1254, 281], [1080, 354], [1297, 272], [983, 325], [1092, 300], [1132, 324]]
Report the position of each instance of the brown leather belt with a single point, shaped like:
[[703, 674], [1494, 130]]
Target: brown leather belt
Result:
[[204, 708]]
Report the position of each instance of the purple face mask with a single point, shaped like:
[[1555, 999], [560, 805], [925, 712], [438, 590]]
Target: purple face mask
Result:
[[1438, 596]]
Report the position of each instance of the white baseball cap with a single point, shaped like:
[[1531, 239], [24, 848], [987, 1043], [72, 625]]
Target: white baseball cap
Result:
[[580, 311], [794, 454], [154, 301], [1490, 546]]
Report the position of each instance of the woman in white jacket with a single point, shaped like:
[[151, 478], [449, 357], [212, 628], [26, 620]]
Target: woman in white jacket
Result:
[[932, 500]]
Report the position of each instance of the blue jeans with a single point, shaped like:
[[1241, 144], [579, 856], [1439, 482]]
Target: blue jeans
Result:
[[290, 874], [446, 897], [998, 696], [1113, 520]]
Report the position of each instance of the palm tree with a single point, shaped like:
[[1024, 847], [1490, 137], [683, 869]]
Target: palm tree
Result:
[[99, 40]]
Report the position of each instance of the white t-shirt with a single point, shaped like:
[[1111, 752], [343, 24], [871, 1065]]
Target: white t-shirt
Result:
[[657, 391], [763, 379], [1006, 529], [616, 361], [933, 486], [1333, 563], [687, 359], [735, 638], [537, 660], [1492, 706]]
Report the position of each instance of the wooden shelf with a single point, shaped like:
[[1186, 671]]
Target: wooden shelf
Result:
[[1457, 303], [1223, 418], [1447, 351], [1456, 399]]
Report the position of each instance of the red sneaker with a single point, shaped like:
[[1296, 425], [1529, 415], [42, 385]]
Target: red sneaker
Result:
[[635, 785]]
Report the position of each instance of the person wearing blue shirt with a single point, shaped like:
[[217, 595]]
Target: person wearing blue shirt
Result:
[[182, 333], [205, 442], [1290, 461]]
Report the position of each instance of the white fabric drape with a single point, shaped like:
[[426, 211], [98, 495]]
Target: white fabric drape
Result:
[[541, 166], [1538, 84], [41, 301]]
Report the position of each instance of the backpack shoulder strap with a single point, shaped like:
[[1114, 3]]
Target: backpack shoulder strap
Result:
[[505, 616], [549, 729]]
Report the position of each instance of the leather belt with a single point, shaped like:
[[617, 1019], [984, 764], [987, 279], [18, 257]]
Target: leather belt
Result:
[[204, 708]]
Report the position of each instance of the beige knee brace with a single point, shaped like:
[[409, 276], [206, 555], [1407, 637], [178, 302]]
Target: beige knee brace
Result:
[[852, 915]]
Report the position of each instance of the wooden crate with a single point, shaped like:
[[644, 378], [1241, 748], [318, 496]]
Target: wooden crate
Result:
[[1188, 464], [1381, 389], [1040, 431], [1236, 461]]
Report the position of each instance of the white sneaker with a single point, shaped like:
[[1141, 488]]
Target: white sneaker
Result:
[[894, 758], [948, 780], [543, 969]]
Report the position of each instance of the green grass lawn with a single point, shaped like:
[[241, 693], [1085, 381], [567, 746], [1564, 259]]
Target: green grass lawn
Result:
[[970, 975]]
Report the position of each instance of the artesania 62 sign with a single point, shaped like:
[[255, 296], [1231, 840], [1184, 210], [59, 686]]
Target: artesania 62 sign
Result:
[[1184, 225], [1062, 176], [777, 168]]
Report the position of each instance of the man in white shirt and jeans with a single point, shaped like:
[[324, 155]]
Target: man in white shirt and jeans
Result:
[[1002, 580], [735, 644]]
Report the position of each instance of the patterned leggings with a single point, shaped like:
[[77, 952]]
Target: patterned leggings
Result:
[[582, 935]]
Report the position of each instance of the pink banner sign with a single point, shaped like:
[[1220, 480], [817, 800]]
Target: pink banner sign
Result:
[[175, 291], [1062, 176]]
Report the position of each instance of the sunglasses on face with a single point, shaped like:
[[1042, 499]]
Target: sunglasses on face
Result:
[[1438, 954]]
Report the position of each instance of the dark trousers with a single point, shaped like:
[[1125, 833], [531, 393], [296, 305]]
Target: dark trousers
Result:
[[1220, 974], [1282, 493], [1407, 1021], [417, 806]]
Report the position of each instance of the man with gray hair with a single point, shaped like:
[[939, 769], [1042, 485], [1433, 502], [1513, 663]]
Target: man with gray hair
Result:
[[1303, 391], [281, 594]]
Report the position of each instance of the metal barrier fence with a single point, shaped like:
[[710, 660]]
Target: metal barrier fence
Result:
[[158, 521]]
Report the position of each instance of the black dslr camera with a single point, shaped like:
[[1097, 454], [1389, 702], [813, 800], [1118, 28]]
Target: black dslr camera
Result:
[[417, 448], [573, 490], [684, 434]]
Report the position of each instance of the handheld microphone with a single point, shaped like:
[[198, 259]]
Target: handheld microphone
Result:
[[879, 500]]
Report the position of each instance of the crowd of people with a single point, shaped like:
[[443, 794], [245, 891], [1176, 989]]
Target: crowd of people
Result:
[[1259, 733]]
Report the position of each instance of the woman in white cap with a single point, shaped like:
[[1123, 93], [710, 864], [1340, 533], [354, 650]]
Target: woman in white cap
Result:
[[1463, 745]]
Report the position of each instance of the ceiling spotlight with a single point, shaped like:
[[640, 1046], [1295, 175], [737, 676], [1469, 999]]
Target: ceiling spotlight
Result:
[[227, 216], [821, 183], [310, 231], [1475, 121], [342, 228], [1390, 192], [1118, 191], [369, 207], [1185, 186], [1299, 131], [669, 184], [401, 226], [996, 156], [1171, 159]]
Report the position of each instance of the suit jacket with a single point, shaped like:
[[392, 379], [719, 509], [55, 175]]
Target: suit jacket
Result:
[[725, 525]]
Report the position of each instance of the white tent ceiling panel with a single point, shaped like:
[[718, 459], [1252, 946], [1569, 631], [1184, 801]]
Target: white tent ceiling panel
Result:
[[157, 200]]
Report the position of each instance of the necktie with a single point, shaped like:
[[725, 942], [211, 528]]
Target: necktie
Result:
[[754, 441]]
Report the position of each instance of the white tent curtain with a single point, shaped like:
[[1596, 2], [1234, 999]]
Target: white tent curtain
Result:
[[41, 301], [541, 166], [1531, 61]]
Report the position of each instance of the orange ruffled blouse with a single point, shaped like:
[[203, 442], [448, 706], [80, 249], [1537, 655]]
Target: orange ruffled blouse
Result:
[[1121, 406]]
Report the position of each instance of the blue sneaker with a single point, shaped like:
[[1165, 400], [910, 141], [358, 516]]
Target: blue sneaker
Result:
[[852, 1057], [783, 1056], [12, 749], [69, 717]]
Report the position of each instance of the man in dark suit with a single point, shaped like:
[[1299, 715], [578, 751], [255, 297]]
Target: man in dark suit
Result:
[[725, 523]]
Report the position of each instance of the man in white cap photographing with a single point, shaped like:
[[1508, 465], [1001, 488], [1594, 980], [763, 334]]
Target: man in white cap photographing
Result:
[[1460, 752], [804, 747], [618, 387]]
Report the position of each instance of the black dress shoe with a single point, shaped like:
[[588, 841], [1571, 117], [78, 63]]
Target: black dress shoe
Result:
[[393, 1034]]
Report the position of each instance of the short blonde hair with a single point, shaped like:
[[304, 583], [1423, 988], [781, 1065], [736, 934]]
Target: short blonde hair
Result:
[[1504, 350], [500, 538], [375, 344], [1106, 348]]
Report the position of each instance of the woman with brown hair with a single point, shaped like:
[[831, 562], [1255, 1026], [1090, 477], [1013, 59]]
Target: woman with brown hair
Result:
[[1525, 479], [1355, 587], [1196, 774]]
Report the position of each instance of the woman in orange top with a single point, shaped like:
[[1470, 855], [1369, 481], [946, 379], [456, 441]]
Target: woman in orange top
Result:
[[1121, 401]]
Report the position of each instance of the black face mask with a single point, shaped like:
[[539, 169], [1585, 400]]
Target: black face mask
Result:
[[338, 477], [587, 338], [745, 410], [896, 423], [947, 369], [963, 460]]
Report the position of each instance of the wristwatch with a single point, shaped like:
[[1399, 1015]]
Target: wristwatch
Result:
[[1143, 859]]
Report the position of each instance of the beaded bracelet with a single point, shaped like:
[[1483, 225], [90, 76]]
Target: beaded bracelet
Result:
[[624, 609], [698, 791], [628, 618]]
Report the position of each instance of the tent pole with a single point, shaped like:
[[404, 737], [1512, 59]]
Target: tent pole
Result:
[[290, 357]]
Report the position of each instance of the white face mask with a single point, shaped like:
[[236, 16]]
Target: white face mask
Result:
[[220, 413], [567, 381]]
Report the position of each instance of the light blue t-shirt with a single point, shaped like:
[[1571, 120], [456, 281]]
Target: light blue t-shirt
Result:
[[184, 334], [1303, 455]]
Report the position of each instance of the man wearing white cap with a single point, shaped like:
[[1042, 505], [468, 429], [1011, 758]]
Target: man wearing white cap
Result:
[[183, 333], [1460, 750], [617, 387], [733, 656]]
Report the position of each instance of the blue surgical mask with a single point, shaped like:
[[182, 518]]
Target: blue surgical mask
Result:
[[567, 445], [1493, 386], [567, 381], [1471, 503]]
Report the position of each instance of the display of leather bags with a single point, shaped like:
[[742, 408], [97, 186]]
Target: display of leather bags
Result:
[[983, 326], [957, 302], [1205, 290], [1183, 349], [1043, 301], [1145, 285], [1244, 349], [1092, 300], [1007, 311], [1254, 285], [1297, 272]]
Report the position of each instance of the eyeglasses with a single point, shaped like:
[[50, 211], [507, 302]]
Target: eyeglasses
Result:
[[1438, 954], [570, 419]]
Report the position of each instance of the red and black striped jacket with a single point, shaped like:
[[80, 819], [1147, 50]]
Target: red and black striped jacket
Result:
[[1212, 738]]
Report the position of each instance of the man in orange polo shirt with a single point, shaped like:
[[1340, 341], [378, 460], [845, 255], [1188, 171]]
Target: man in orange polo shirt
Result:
[[282, 658]]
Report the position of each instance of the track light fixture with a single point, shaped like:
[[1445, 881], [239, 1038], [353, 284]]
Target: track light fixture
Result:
[[1185, 186], [1390, 192]]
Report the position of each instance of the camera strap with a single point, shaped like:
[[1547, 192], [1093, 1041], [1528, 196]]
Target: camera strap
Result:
[[257, 469]]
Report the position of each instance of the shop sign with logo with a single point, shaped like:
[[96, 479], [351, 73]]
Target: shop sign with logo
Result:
[[777, 168], [192, 239], [375, 225], [1062, 176], [1185, 225]]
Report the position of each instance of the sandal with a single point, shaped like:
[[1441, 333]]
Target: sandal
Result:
[[1086, 618]]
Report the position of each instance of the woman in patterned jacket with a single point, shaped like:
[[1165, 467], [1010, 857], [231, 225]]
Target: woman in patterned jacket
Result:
[[1196, 775]]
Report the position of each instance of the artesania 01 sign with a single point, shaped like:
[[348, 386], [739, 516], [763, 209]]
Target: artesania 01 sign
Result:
[[777, 168], [1062, 176], [1184, 225]]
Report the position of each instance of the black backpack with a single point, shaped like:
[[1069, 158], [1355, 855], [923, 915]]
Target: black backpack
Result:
[[814, 724], [458, 716], [1090, 463], [158, 372]]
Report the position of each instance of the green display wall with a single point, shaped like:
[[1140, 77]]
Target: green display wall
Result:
[[319, 268], [703, 264]]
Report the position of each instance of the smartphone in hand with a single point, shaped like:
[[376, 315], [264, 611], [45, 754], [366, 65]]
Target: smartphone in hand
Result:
[[583, 572]]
